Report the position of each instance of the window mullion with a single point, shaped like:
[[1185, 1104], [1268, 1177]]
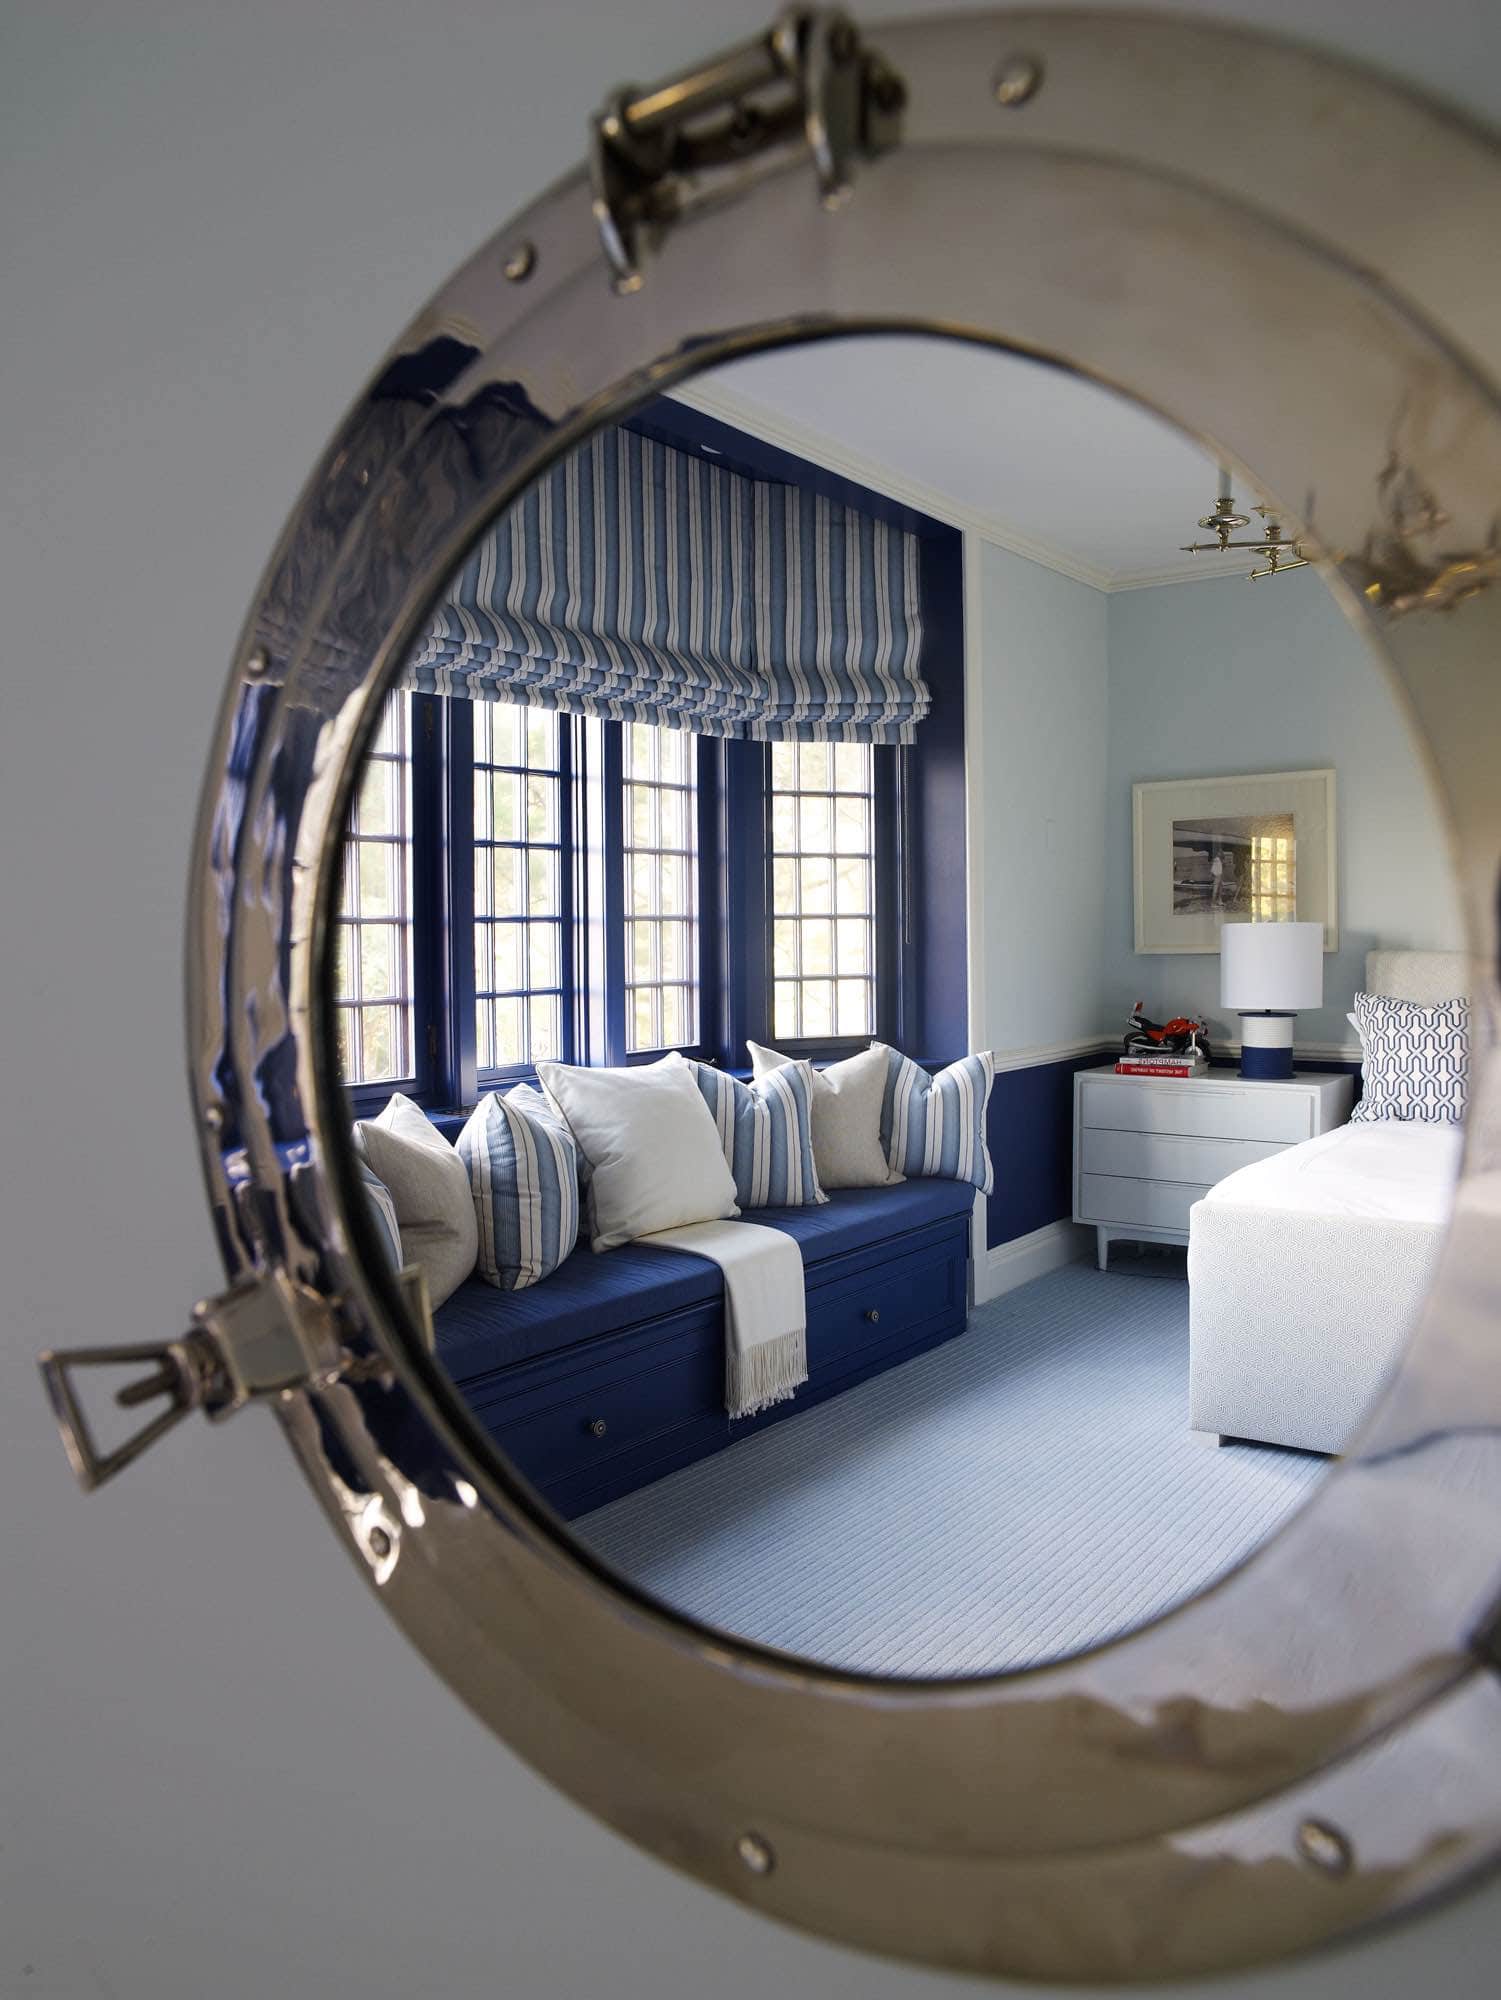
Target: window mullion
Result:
[[456, 1014]]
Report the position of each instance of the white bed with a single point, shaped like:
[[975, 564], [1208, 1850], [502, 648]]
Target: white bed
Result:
[[1306, 1270]]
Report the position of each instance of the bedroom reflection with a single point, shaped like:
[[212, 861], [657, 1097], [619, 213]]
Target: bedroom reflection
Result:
[[791, 815]]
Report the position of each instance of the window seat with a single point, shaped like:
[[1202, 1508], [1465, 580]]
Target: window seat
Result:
[[610, 1373]]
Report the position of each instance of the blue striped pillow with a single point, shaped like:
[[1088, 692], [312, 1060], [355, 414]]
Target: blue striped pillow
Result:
[[933, 1127], [524, 1173], [382, 1212], [766, 1130], [1415, 1060]]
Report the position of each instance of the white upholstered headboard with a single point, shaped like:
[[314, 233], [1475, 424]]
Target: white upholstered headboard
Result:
[[1428, 976]]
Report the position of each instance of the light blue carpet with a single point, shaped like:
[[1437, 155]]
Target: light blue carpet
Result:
[[1026, 1491]]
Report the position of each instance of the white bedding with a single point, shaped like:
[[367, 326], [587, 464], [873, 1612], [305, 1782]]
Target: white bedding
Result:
[[1392, 1171], [1306, 1271]]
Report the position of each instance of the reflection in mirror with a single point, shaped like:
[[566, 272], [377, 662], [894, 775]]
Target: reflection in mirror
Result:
[[781, 997]]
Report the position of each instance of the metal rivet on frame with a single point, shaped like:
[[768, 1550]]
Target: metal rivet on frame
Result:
[[213, 1117], [258, 665], [521, 263], [1017, 79], [1324, 1847], [380, 1544], [756, 1853]]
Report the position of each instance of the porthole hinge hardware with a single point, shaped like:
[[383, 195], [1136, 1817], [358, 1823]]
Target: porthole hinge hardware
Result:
[[807, 87], [258, 1340]]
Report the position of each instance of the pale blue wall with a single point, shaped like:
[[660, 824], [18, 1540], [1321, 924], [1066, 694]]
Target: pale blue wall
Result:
[[1208, 679], [1038, 762]]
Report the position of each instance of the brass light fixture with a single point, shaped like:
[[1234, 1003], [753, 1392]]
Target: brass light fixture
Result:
[[1282, 551]]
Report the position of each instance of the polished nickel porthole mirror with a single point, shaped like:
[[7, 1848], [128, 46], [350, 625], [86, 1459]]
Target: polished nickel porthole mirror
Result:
[[783, 279]]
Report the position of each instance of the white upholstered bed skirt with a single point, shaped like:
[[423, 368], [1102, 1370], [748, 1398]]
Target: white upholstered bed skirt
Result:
[[1306, 1271]]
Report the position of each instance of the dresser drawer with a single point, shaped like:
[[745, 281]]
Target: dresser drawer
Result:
[[1149, 1204], [1163, 1156], [1196, 1109]]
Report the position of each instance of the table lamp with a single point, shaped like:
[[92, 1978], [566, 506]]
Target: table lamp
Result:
[[1267, 972]]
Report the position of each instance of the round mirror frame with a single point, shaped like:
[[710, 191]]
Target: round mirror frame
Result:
[[1310, 1746]]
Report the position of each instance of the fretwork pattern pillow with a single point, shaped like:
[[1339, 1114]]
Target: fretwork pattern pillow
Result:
[[1415, 1060], [766, 1130], [933, 1127], [524, 1174]]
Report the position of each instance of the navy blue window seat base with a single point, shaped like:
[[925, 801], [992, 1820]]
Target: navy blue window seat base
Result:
[[610, 1373]]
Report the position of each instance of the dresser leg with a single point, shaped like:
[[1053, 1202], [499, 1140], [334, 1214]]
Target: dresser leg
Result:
[[1102, 1248]]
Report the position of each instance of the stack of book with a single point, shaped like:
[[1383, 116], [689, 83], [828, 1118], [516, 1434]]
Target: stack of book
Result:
[[1160, 1062]]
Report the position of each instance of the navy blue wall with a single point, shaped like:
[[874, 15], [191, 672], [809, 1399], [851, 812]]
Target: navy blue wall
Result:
[[1030, 1128], [1031, 1134]]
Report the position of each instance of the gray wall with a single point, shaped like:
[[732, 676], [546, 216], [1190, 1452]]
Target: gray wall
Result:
[[223, 1772], [1207, 679]]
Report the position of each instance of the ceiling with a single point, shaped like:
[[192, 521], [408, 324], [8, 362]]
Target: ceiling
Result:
[[1037, 460]]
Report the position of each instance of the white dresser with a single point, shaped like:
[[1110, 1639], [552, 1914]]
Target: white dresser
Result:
[[1146, 1148]]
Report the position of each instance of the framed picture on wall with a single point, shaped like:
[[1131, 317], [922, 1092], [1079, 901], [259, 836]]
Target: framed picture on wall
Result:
[[1214, 850]]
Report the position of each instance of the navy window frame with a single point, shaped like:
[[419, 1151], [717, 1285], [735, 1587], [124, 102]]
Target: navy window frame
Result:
[[919, 834]]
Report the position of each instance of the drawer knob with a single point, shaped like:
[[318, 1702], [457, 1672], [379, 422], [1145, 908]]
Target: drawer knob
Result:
[[873, 1314], [597, 1427]]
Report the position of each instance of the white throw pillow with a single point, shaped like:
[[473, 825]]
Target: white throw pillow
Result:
[[847, 1099], [650, 1144], [429, 1185]]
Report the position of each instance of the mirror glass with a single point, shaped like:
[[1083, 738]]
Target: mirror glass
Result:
[[785, 1004]]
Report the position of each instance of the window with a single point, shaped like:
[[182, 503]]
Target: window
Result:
[[373, 939], [660, 846], [521, 885], [1273, 895], [519, 869], [822, 847]]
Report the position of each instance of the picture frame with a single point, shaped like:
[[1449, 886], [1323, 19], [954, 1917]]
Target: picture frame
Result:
[[1205, 851]]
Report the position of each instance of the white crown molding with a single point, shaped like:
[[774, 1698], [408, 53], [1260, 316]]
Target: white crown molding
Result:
[[1215, 569], [744, 413]]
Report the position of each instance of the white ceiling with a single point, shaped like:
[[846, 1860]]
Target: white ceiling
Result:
[[1039, 461]]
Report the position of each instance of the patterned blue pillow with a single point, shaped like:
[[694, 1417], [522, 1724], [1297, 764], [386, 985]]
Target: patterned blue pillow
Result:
[[524, 1172], [1415, 1060], [933, 1127], [382, 1212], [766, 1130]]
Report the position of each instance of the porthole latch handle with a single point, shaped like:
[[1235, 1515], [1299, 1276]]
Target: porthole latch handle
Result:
[[808, 86], [258, 1340]]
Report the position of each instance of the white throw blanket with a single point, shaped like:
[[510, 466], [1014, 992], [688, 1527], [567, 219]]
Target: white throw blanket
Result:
[[765, 1308]]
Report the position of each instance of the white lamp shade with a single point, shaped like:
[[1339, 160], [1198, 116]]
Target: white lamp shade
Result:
[[1271, 968]]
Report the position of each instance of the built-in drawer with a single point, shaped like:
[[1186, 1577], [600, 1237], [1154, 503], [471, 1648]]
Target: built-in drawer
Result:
[[1196, 1109], [592, 1421], [602, 1412], [1164, 1156], [1150, 1204], [856, 1314]]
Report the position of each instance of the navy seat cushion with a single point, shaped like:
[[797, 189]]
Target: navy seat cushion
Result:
[[481, 1328]]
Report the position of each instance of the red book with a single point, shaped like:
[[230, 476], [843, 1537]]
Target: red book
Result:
[[1124, 1068]]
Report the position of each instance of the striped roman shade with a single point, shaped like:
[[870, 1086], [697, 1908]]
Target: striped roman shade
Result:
[[641, 584], [933, 1127]]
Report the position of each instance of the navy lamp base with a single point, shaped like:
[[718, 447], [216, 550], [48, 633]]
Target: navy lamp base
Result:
[[1266, 1047]]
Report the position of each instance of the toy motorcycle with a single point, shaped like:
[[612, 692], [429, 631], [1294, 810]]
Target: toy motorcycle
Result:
[[1180, 1036]]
